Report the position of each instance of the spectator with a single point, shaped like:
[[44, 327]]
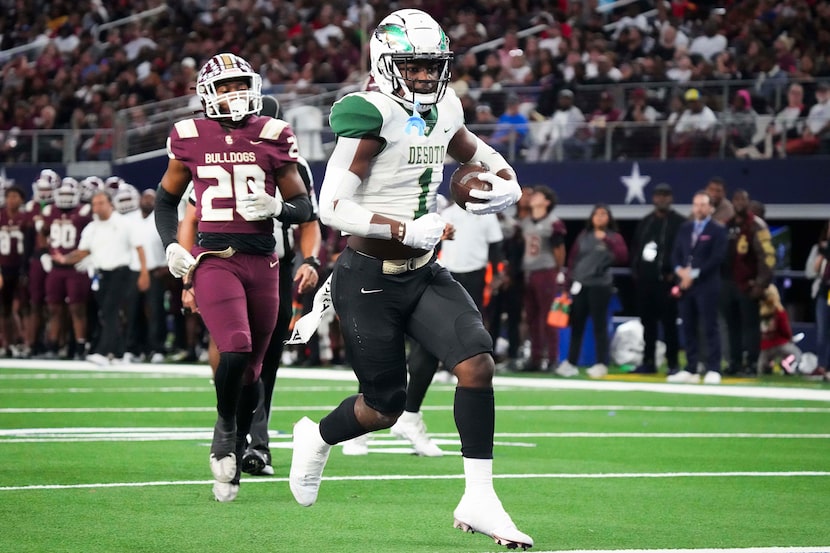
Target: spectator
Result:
[[598, 125], [671, 39], [710, 43], [49, 145], [723, 208], [681, 71], [818, 269], [697, 255], [543, 265], [770, 79], [653, 273], [817, 132], [739, 122], [693, 134], [747, 271], [593, 253], [639, 136], [487, 121], [785, 130], [509, 137], [776, 335], [555, 131], [468, 31]]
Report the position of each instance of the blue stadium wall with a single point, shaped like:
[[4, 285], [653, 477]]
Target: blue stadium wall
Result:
[[802, 181]]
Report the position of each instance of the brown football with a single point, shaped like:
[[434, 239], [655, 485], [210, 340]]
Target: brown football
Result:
[[464, 179]]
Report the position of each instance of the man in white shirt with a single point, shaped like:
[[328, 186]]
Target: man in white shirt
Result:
[[477, 241], [709, 43], [559, 128], [695, 128], [151, 302], [110, 242]]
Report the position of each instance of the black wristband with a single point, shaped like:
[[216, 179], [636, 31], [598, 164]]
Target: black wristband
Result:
[[312, 260]]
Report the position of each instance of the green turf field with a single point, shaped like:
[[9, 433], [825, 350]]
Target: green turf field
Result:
[[110, 462]]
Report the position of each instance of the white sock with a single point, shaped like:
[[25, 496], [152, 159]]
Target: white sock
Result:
[[478, 476], [408, 417]]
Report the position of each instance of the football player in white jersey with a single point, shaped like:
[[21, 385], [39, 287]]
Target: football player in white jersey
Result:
[[380, 188]]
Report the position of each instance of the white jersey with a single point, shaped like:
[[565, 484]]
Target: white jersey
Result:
[[405, 175]]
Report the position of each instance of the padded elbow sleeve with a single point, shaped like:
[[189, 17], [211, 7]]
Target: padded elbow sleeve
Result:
[[167, 217], [297, 210]]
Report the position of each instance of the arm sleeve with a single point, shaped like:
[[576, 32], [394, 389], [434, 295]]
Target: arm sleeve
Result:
[[167, 216], [298, 209]]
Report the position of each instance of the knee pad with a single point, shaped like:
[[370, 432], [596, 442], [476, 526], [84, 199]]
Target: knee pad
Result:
[[387, 401]]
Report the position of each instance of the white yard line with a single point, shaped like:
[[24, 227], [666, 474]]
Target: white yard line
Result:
[[345, 375], [130, 434], [568, 408], [412, 477]]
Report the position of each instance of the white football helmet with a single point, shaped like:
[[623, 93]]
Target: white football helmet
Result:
[[113, 184], [89, 187], [404, 37], [44, 187], [68, 194], [238, 104], [126, 199]]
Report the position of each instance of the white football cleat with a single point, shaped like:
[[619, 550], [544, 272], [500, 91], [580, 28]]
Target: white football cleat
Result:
[[486, 515], [224, 472], [225, 491], [356, 446], [566, 370], [684, 377], [712, 377], [307, 461], [224, 469], [411, 427], [597, 371]]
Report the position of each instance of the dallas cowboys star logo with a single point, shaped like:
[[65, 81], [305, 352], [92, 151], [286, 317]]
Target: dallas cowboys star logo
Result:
[[634, 184]]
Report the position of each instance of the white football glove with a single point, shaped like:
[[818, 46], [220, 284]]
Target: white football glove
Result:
[[503, 194], [179, 260], [425, 232], [46, 262], [260, 205]]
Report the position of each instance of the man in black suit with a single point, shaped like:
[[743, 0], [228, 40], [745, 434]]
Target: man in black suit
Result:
[[699, 251], [653, 272]]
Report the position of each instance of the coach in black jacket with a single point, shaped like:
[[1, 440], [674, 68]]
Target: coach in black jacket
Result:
[[699, 251], [653, 272]]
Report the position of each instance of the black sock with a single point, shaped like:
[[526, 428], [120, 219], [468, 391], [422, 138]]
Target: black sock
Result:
[[341, 424], [228, 382], [248, 400], [475, 418], [422, 367]]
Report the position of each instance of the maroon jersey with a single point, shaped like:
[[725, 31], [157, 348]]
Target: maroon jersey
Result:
[[63, 227], [227, 164], [13, 228]]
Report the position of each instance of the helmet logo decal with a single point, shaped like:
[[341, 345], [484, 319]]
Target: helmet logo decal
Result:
[[394, 36]]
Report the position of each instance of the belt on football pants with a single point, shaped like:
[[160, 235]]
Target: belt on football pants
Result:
[[398, 266]]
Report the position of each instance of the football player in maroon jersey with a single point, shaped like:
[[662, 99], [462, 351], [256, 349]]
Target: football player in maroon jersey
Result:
[[63, 222], [43, 190], [244, 173], [13, 227]]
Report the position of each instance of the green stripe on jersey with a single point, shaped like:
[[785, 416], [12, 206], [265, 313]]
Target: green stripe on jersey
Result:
[[355, 117]]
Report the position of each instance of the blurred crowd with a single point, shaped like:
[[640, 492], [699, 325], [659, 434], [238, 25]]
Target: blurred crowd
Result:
[[66, 67]]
